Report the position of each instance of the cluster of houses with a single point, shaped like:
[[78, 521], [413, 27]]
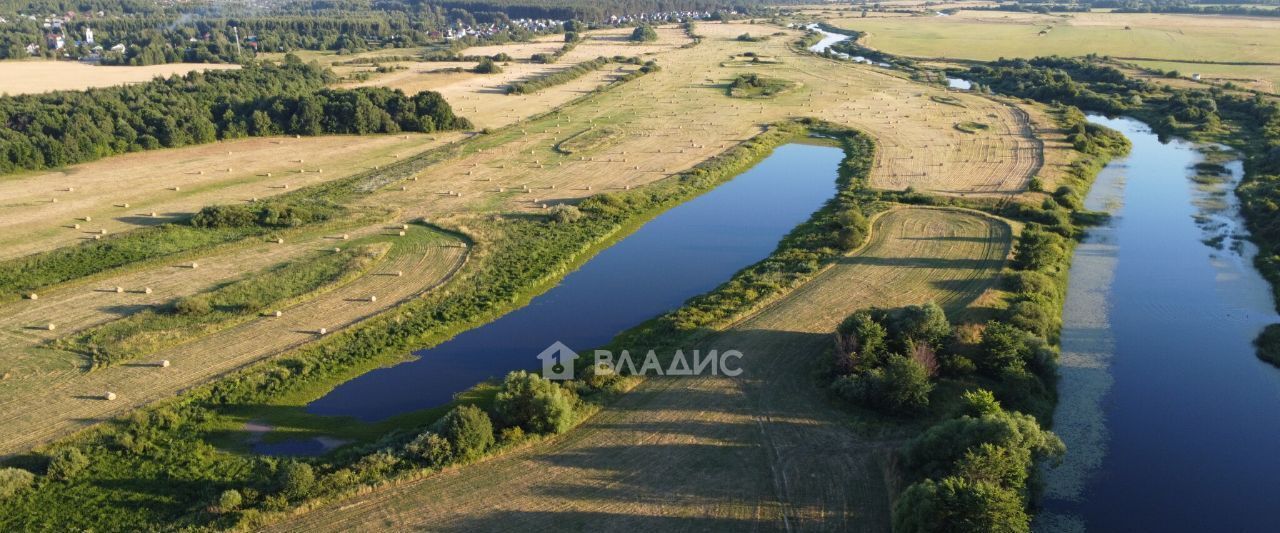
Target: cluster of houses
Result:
[[460, 30], [56, 34]]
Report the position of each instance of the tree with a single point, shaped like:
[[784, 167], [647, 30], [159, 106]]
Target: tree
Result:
[[644, 33], [1003, 346], [296, 480], [1039, 250], [935, 452], [468, 429], [958, 505], [861, 340], [920, 323], [65, 463], [14, 479], [534, 404]]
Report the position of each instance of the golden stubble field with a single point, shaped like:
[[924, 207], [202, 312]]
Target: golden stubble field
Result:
[[32, 76], [1186, 43], [670, 120], [764, 451]]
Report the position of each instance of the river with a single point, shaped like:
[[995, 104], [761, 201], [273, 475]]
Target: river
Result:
[[686, 251], [1171, 422]]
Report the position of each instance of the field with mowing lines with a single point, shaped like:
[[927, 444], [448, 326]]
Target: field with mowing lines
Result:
[[764, 451], [988, 35], [31, 221], [693, 120], [34, 410], [28, 77], [482, 97]]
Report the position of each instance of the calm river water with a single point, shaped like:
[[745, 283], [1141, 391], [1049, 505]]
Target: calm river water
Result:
[[1171, 422], [683, 252]]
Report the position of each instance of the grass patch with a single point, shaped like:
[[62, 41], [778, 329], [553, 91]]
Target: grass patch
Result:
[[948, 100], [590, 139], [201, 314], [972, 127]]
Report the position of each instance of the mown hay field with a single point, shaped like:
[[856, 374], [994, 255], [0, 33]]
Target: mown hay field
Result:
[[1176, 39], [764, 451], [39, 210], [38, 406]]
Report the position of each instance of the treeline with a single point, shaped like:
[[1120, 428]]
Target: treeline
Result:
[[538, 83], [67, 127]]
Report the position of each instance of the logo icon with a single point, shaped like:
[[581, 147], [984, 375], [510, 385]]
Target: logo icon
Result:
[[557, 361]]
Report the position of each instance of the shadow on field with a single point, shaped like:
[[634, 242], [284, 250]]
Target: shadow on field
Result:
[[922, 262], [593, 521]]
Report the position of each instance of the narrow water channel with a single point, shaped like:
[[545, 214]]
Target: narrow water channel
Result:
[[1170, 421], [683, 252]]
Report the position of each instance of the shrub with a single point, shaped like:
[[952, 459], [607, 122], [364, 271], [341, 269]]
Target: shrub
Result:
[[486, 66], [644, 33], [565, 214], [430, 448], [13, 480], [230, 500], [534, 404], [861, 341], [65, 463], [468, 430], [224, 216], [296, 480], [194, 305], [900, 387]]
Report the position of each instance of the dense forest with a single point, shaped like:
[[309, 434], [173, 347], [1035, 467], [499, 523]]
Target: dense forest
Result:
[[66, 127]]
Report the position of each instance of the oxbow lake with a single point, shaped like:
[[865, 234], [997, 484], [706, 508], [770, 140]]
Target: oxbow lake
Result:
[[686, 251]]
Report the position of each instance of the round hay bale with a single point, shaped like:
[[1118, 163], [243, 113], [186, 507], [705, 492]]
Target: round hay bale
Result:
[[109, 396], [279, 240], [146, 290], [195, 264], [33, 296], [87, 219], [322, 331], [154, 214], [404, 226], [164, 363], [373, 298], [97, 237], [399, 273], [402, 234], [51, 326], [337, 250], [278, 313], [75, 226], [119, 289], [102, 231], [345, 236]]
